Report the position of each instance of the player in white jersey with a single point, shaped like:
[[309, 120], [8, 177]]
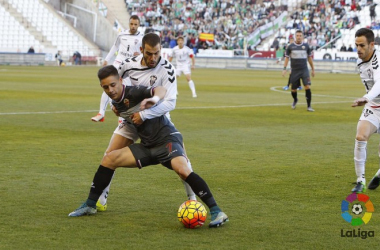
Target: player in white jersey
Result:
[[184, 62], [148, 69], [369, 122], [127, 44]]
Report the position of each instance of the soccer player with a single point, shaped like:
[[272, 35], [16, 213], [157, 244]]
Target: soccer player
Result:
[[369, 121], [127, 44], [184, 62], [161, 143], [298, 83], [148, 69], [299, 53]]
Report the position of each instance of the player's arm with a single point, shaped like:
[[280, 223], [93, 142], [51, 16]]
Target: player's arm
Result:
[[112, 52], [286, 61], [192, 61], [158, 93], [310, 60], [169, 101]]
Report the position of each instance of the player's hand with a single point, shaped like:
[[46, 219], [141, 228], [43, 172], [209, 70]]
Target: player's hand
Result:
[[147, 103], [136, 54], [105, 63], [359, 102], [284, 72], [136, 118], [312, 73], [115, 111], [192, 66]]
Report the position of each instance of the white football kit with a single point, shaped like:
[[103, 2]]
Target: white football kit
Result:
[[370, 76], [126, 45], [183, 59], [161, 75]]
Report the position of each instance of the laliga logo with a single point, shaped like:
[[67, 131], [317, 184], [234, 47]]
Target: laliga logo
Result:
[[357, 210]]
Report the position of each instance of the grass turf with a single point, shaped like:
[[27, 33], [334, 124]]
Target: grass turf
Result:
[[279, 174]]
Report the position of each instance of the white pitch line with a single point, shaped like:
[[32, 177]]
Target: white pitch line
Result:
[[208, 107], [333, 96]]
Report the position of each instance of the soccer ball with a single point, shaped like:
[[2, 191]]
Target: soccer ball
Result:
[[192, 214]]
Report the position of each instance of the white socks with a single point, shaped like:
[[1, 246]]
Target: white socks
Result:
[[192, 87], [104, 100], [360, 156]]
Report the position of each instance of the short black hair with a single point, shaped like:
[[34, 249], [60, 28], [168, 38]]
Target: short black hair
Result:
[[299, 31], [367, 33], [107, 71], [135, 17], [152, 39]]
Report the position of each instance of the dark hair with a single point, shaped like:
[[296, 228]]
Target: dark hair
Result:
[[299, 31], [148, 30], [107, 71], [152, 39], [367, 33], [180, 37], [135, 17]]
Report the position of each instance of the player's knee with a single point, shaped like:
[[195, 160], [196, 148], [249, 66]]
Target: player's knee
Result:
[[109, 160], [360, 137]]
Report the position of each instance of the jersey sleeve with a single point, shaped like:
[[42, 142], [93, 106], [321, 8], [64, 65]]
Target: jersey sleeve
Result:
[[287, 51], [169, 81], [113, 50], [375, 90]]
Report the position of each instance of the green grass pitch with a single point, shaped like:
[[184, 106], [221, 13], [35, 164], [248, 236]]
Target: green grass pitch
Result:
[[279, 174]]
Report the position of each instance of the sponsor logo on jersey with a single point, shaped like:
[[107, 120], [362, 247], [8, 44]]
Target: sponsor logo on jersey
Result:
[[126, 102], [153, 79]]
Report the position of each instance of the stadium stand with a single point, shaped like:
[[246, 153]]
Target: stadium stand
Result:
[[28, 23]]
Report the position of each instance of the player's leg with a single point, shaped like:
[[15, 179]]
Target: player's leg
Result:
[[375, 182], [179, 165], [364, 130], [293, 79], [104, 101], [111, 161], [187, 73], [190, 193], [124, 135], [306, 82], [287, 86]]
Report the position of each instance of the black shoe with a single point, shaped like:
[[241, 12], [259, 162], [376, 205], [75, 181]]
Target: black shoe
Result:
[[359, 188], [374, 183]]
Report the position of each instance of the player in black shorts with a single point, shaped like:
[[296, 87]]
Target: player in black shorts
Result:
[[161, 143], [300, 54]]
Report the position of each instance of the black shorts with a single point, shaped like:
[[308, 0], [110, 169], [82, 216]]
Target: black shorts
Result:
[[296, 75], [162, 154]]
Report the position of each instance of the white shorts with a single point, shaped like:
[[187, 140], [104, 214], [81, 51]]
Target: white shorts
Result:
[[372, 115], [127, 130], [185, 69]]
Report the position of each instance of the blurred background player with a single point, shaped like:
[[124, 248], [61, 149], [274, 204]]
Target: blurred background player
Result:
[[298, 83], [300, 54], [127, 44], [184, 62]]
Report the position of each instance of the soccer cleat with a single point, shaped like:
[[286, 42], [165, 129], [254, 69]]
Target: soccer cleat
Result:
[[374, 183], [100, 207], [194, 95], [310, 109], [98, 118], [285, 88], [299, 88], [218, 219], [359, 188], [294, 104], [83, 210]]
